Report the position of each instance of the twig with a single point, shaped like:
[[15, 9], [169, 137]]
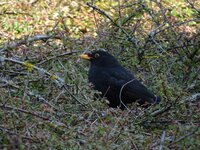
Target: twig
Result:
[[162, 140], [131, 39], [34, 2], [23, 111], [172, 122], [74, 97], [39, 97], [192, 5], [58, 80], [57, 56], [114, 129], [3, 3], [160, 111], [156, 113], [176, 24], [120, 93], [14, 44], [22, 136], [193, 98], [183, 137]]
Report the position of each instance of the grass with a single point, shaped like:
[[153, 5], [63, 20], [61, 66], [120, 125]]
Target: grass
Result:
[[46, 101]]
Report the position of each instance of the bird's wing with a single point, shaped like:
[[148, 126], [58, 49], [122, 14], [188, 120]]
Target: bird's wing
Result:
[[128, 84]]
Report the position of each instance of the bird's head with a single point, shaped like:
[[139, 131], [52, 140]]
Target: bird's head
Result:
[[100, 58]]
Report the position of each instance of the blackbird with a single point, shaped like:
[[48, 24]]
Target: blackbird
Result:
[[115, 82]]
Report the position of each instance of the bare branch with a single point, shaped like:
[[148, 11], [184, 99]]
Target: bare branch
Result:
[[58, 80], [131, 39], [21, 136], [23, 111], [193, 6], [183, 137], [14, 44]]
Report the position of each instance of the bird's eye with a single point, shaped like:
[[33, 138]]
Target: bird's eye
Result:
[[96, 55]]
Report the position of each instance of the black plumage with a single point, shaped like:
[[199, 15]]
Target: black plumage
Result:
[[115, 82]]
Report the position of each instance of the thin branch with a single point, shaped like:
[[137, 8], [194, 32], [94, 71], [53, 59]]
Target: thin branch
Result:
[[162, 140], [3, 3], [131, 39], [21, 136], [193, 6], [14, 44], [165, 109], [39, 97], [74, 97], [160, 111], [183, 137], [57, 56], [172, 122], [120, 93], [193, 98], [23, 111], [176, 25], [58, 80]]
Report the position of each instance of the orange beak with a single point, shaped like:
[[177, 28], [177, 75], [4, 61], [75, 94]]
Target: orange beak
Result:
[[85, 56]]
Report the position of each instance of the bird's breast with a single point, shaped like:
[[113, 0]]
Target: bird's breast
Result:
[[98, 78]]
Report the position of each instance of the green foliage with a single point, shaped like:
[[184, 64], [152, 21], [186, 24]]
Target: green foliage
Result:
[[157, 40]]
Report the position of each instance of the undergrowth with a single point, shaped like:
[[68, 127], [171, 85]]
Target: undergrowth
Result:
[[46, 100]]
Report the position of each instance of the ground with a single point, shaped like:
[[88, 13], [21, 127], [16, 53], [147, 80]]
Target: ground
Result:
[[46, 101]]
